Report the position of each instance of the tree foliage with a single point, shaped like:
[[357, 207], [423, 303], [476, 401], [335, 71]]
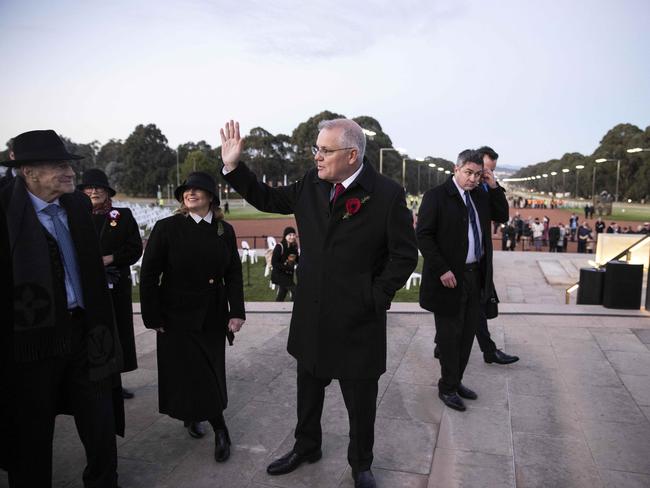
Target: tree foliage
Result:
[[634, 179], [147, 160]]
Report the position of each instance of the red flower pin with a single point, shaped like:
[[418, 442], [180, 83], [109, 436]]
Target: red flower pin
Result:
[[353, 205]]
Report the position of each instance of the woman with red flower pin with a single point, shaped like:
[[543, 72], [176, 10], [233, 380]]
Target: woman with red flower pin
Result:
[[121, 244]]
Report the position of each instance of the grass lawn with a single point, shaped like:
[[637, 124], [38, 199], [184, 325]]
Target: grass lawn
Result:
[[622, 212], [251, 213], [259, 290]]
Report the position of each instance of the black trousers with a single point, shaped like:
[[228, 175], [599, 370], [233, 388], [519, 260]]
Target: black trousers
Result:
[[282, 292], [360, 397], [455, 334], [39, 389], [483, 337]]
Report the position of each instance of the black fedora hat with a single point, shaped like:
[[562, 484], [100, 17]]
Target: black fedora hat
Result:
[[96, 178], [38, 146], [200, 180]]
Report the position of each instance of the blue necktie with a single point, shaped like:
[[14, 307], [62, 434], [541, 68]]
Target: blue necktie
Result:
[[67, 252], [472, 221]]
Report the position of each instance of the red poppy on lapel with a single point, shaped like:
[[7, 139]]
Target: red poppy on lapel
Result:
[[353, 205]]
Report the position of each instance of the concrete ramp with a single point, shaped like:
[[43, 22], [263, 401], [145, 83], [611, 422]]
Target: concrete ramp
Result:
[[559, 273]]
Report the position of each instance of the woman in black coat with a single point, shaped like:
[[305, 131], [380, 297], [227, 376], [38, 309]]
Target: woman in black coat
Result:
[[121, 245], [191, 292], [283, 262]]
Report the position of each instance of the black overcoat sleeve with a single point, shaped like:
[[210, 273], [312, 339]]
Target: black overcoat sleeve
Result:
[[427, 230], [130, 250], [233, 278], [153, 265], [499, 210], [402, 252], [261, 196]]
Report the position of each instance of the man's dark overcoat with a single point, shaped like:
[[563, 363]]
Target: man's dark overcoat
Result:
[[120, 237], [442, 238], [106, 353], [351, 265]]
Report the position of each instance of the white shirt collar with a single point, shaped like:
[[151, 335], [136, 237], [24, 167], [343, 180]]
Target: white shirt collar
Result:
[[198, 218], [458, 187], [351, 179]]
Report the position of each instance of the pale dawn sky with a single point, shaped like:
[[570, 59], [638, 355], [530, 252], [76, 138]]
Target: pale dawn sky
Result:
[[532, 79]]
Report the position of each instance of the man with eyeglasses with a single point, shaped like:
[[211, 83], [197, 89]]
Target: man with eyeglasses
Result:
[[453, 232], [357, 249]]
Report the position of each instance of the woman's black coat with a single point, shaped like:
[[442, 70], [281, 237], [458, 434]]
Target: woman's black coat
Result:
[[119, 235]]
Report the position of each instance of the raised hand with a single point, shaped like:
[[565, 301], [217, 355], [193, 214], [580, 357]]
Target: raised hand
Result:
[[231, 145], [488, 177]]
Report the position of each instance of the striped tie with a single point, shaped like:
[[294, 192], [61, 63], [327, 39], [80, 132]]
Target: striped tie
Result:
[[67, 252]]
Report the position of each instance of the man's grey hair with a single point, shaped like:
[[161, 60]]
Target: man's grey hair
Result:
[[469, 156], [351, 136]]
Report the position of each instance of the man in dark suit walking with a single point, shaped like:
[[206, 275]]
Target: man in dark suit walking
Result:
[[58, 344], [358, 248], [453, 232], [491, 354]]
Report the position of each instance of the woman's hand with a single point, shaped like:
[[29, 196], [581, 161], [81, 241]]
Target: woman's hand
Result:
[[234, 324]]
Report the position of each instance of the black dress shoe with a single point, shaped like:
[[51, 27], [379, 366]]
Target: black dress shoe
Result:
[[465, 392], [127, 394], [221, 445], [291, 461], [499, 357], [452, 401], [436, 352], [364, 479], [195, 429]]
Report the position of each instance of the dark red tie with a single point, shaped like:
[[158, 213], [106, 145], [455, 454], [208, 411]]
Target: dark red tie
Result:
[[338, 189]]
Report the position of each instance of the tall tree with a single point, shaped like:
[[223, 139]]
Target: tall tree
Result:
[[198, 160], [147, 160]]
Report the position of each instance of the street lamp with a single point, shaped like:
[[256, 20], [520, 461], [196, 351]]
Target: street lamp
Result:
[[637, 150], [381, 156], [578, 168], [618, 169], [431, 165], [553, 174], [564, 172], [404, 172]]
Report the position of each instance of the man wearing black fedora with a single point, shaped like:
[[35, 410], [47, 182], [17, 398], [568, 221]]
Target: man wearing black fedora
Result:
[[58, 344]]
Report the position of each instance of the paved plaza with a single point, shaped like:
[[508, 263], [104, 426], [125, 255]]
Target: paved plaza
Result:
[[573, 412]]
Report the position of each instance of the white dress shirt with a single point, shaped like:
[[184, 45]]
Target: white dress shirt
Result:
[[471, 255]]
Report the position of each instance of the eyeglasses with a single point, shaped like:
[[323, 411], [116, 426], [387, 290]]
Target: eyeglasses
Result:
[[324, 151]]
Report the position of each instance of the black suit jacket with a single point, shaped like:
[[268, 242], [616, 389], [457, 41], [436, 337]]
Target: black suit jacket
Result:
[[350, 267], [442, 238]]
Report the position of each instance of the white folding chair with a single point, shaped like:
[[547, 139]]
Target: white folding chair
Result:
[[414, 280]]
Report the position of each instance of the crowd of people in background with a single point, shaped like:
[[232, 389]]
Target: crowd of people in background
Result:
[[556, 236]]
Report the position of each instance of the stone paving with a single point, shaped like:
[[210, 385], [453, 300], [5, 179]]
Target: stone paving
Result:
[[573, 412]]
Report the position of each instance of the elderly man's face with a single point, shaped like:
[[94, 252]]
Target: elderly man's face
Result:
[[468, 176], [334, 163], [49, 181]]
